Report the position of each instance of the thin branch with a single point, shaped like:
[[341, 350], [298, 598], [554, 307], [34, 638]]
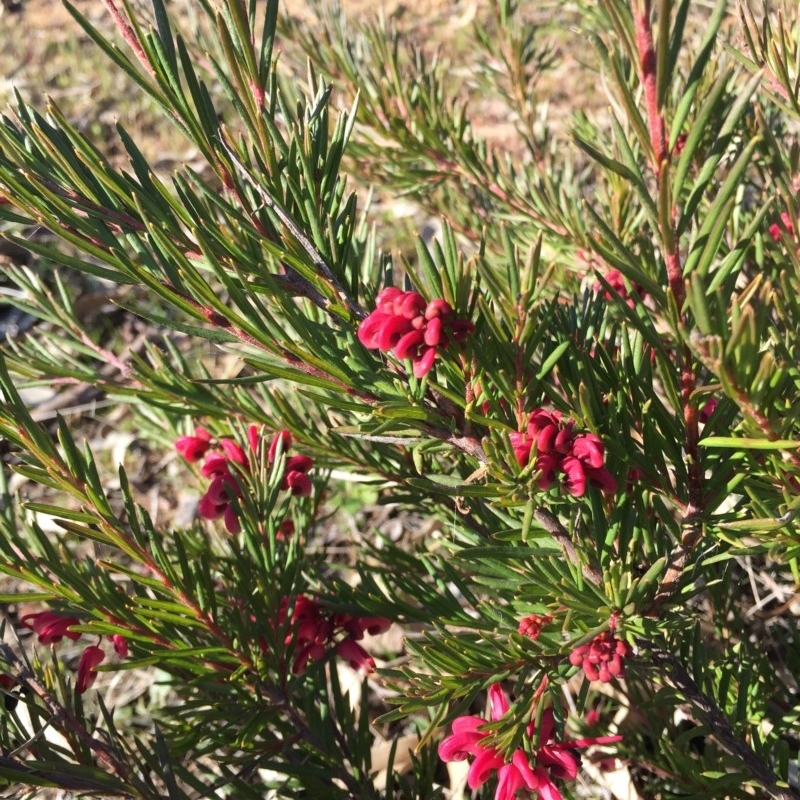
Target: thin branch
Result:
[[63, 719], [712, 717], [553, 526]]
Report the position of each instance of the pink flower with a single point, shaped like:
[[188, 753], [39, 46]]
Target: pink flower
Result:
[[532, 625], [708, 409], [776, 230], [91, 657], [216, 502], [602, 659], [532, 769], [313, 633], [355, 655], [414, 330], [120, 645], [296, 467], [51, 627], [193, 448], [254, 437], [215, 465], [233, 452], [578, 458], [282, 439]]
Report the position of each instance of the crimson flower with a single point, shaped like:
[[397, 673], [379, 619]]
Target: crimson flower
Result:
[[91, 657], [218, 500], [533, 769], [355, 655], [193, 448], [532, 625], [216, 503], [51, 627], [578, 458], [776, 230], [404, 323], [315, 633], [120, 644], [602, 659]]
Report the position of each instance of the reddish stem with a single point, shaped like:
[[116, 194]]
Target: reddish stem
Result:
[[647, 64], [691, 526]]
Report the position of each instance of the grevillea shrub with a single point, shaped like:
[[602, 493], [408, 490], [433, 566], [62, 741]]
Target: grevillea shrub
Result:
[[513, 514]]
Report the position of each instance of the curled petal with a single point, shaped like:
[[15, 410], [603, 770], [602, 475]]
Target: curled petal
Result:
[[424, 364], [215, 465], [547, 465], [509, 780], [370, 329], [575, 480], [192, 448], [120, 644], [233, 452], [540, 419], [521, 445], [547, 789], [386, 297], [563, 441], [375, 625], [371, 625], [434, 335], [437, 309], [523, 767], [413, 305], [560, 763], [602, 479], [299, 464], [486, 762], [463, 741], [282, 440], [299, 483], [50, 626], [392, 331], [232, 524], [408, 346], [546, 440], [589, 449], [497, 702], [355, 655], [220, 490], [90, 658]]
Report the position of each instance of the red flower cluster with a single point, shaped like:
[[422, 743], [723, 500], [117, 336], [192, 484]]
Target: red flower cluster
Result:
[[217, 502], [532, 625], [615, 280], [603, 659], [558, 449], [404, 323], [531, 770], [314, 632], [52, 627]]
